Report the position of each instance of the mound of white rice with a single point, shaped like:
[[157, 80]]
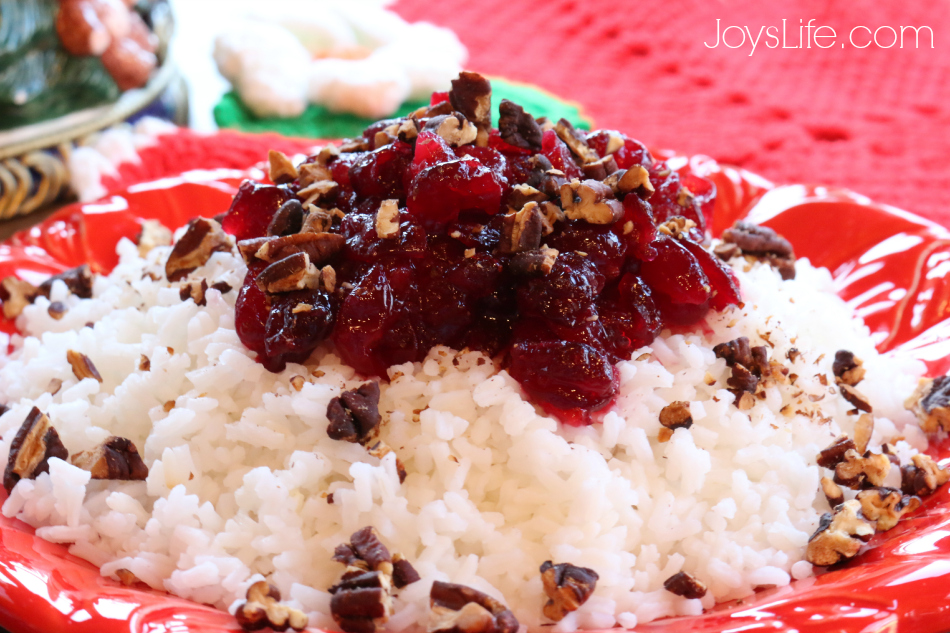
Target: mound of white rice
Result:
[[241, 467]]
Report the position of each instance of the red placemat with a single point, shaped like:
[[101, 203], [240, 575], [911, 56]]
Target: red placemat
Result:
[[874, 120]]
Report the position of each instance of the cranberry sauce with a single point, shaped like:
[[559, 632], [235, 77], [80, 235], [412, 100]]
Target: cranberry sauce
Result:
[[559, 251]]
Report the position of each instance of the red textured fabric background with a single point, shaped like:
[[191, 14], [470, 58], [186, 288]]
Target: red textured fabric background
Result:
[[873, 120]]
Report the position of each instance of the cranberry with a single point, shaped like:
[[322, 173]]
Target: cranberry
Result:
[[253, 208], [603, 247], [670, 200], [725, 286], [495, 142], [431, 149], [438, 97], [631, 153], [675, 273], [441, 192], [251, 311], [491, 158], [572, 379], [340, 168], [559, 154], [637, 227], [704, 192], [364, 244], [565, 294], [629, 316], [293, 333], [383, 173]]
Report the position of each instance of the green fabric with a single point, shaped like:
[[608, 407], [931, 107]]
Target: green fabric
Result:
[[318, 122]]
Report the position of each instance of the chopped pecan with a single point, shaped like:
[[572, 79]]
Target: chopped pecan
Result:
[[35, 443], [930, 402], [126, 577], [57, 310], [288, 219], [855, 397], [144, 363], [858, 471], [454, 129], [725, 251], [676, 227], [354, 415], [863, 429], [403, 571], [590, 200], [517, 127], [840, 535], [116, 458], [222, 286], [16, 295], [634, 180], [153, 233], [521, 230], [763, 243], [317, 220], [742, 379], [319, 247], [281, 169], [313, 172], [367, 547], [523, 194], [407, 131], [460, 609], [318, 191], [676, 415], [833, 492], [262, 609], [686, 585], [600, 169], [351, 145], [387, 219], [294, 272], [922, 476], [379, 449], [202, 238], [567, 587], [328, 278], [78, 280], [575, 141], [82, 365], [550, 215], [471, 95], [834, 454], [847, 368], [886, 506], [735, 352], [533, 263], [195, 291]]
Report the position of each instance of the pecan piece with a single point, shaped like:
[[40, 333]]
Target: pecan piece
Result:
[[855, 397], [930, 402], [16, 295], [834, 454], [202, 238], [922, 476], [686, 585], [742, 380], [281, 169], [840, 535], [78, 280], [262, 609], [294, 272], [847, 369], [117, 458], [533, 263], [600, 168], [318, 191], [858, 471], [760, 242], [195, 291], [57, 310], [354, 415], [318, 220], [460, 609], [153, 233], [674, 416], [82, 366], [454, 129], [521, 230], [387, 219], [886, 506], [471, 95], [735, 351], [313, 172], [523, 194], [35, 443], [863, 429], [634, 180], [832, 491], [319, 247], [590, 200], [403, 572], [567, 587], [575, 141], [287, 220], [676, 227], [517, 127]]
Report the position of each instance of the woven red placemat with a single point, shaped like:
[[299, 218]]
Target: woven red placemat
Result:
[[875, 120]]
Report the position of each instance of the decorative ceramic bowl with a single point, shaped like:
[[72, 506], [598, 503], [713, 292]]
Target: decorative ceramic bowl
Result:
[[889, 264]]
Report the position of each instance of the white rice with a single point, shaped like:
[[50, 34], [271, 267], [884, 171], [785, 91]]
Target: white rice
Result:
[[241, 466]]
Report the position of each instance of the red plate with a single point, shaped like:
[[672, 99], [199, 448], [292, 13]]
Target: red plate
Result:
[[891, 265]]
